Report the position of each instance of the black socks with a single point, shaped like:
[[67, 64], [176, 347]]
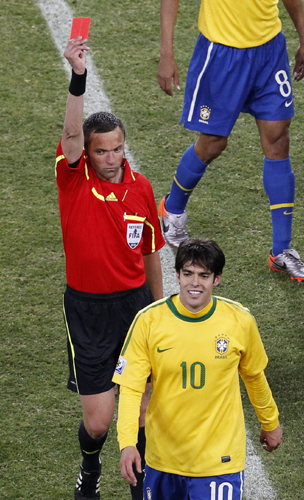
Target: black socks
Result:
[[90, 448]]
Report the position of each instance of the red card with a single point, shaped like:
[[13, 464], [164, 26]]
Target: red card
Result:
[[80, 27]]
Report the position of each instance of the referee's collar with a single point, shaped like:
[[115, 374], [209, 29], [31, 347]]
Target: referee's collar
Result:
[[128, 172]]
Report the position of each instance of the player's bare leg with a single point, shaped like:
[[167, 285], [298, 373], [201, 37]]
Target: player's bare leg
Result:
[[208, 147], [274, 136]]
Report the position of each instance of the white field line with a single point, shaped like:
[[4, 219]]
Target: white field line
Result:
[[59, 16]]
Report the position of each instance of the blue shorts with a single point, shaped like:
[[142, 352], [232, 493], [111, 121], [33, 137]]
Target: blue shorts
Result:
[[164, 486], [224, 81]]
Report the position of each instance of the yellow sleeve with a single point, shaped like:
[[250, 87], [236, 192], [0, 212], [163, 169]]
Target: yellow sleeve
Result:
[[134, 367], [128, 417], [262, 400]]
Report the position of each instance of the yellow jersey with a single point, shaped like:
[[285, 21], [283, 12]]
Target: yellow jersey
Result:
[[239, 23], [195, 422]]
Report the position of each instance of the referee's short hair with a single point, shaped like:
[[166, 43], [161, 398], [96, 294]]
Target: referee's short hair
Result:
[[101, 123], [200, 252]]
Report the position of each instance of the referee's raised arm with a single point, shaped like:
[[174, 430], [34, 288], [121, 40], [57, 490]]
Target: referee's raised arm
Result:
[[72, 137]]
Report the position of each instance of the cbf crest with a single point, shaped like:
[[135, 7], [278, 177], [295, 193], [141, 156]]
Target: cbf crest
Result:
[[205, 113], [149, 494], [222, 345], [134, 234]]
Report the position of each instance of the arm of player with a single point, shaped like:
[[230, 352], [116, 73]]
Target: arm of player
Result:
[[72, 137], [127, 429], [167, 68], [271, 439], [266, 409], [154, 274], [296, 13]]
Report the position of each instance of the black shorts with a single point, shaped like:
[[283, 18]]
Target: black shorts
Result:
[[97, 325]]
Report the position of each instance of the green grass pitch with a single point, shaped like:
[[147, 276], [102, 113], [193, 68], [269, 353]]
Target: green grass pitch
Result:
[[39, 453]]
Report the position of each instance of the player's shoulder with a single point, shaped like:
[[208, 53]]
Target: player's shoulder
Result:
[[234, 307], [151, 311], [154, 307]]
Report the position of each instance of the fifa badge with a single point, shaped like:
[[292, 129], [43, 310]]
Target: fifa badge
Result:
[[134, 234]]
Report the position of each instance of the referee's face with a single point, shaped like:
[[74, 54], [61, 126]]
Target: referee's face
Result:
[[196, 286], [106, 152]]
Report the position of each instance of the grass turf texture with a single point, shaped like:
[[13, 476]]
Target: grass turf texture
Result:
[[39, 453]]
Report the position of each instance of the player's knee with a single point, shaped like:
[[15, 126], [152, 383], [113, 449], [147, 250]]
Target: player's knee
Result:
[[209, 147], [277, 148], [284, 140], [275, 139]]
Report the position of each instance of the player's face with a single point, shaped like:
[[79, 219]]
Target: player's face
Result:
[[196, 285], [106, 153]]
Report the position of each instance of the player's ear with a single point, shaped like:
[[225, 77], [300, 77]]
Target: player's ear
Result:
[[217, 280], [178, 277]]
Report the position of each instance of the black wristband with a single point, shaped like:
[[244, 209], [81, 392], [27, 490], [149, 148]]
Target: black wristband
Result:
[[78, 83]]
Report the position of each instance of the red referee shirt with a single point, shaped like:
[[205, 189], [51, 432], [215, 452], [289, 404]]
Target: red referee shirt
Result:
[[106, 227]]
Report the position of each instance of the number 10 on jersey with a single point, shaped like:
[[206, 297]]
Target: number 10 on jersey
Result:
[[193, 375]]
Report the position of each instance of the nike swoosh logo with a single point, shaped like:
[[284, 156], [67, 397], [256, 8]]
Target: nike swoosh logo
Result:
[[163, 350], [283, 266], [165, 228], [280, 266], [287, 213], [287, 104]]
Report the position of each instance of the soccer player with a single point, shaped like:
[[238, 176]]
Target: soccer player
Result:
[[194, 345], [240, 64], [111, 235]]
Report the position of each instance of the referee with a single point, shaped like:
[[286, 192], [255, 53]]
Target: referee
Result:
[[111, 236]]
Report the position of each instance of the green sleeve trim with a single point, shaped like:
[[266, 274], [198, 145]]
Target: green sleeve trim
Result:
[[129, 336], [232, 302]]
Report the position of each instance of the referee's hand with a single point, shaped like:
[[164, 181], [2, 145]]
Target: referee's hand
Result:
[[75, 54]]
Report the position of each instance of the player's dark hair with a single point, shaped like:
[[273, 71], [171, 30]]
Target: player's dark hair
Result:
[[101, 123], [200, 252]]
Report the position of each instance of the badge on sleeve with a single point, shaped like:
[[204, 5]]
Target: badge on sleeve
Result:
[[134, 234], [120, 366]]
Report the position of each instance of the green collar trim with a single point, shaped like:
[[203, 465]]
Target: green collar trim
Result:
[[187, 318]]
